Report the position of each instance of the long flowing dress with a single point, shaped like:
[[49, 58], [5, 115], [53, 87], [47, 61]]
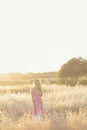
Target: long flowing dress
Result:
[[38, 104]]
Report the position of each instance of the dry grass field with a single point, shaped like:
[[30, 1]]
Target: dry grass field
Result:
[[65, 108]]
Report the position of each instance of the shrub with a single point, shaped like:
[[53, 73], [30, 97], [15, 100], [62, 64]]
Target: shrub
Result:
[[83, 81]]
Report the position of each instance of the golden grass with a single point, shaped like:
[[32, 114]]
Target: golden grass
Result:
[[65, 108]]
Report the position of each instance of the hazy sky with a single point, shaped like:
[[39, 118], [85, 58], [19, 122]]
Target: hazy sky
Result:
[[41, 35]]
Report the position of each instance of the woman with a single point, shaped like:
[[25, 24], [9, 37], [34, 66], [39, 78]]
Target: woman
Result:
[[36, 99]]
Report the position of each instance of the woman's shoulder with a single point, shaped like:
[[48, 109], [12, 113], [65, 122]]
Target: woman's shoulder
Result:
[[33, 88]]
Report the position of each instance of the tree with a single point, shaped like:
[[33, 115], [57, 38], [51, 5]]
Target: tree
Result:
[[74, 68]]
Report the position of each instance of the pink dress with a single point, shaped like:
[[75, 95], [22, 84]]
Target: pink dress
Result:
[[38, 104]]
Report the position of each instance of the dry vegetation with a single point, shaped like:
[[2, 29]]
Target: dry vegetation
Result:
[[65, 108]]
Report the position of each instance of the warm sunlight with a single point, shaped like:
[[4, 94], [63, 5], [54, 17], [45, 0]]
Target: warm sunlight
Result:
[[43, 65], [41, 36]]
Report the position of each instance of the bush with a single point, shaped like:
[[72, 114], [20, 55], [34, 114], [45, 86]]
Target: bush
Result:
[[67, 81], [82, 80]]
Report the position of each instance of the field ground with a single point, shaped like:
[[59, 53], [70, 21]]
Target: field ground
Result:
[[65, 108]]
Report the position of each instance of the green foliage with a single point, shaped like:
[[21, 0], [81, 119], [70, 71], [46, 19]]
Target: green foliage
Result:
[[74, 68], [82, 81], [68, 81]]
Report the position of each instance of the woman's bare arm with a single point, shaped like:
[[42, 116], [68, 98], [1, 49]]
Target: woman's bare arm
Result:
[[32, 94]]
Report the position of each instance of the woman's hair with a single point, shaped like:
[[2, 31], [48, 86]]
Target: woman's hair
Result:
[[37, 84]]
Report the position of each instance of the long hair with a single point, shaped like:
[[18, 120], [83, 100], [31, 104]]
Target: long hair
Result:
[[38, 85]]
